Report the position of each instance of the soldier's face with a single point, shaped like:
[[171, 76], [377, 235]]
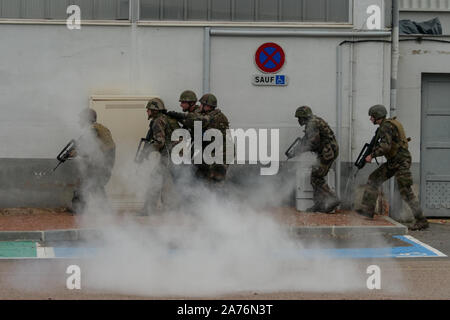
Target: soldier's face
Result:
[[206, 108], [149, 114], [184, 105], [372, 119], [301, 121]]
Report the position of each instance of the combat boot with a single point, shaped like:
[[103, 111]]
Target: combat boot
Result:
[[365, 213], [420, 224], [331, 205], [317, 207]]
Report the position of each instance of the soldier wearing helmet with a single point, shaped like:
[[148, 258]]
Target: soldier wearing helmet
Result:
[[393, 145], [188, 100], [159, 140], [213, 118], [320, 139], [161, 126], [95, 151]]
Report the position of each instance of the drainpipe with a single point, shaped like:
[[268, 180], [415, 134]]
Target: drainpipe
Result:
[[394, 73], [206, 59], [338, 117], [293, 33]]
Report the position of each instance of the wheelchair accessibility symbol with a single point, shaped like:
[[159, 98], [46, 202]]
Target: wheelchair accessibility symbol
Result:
[[280, 80]]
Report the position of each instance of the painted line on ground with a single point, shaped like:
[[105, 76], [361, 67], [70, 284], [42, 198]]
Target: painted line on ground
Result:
[[418, 243], [416, 249]]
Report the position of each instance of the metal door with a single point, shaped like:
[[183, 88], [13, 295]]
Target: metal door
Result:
[[435, 145]]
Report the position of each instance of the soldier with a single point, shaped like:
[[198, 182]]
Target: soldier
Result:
[[393, 145], [96, 152], [188, 100], [213, 118], [159, 136], [320, 139]]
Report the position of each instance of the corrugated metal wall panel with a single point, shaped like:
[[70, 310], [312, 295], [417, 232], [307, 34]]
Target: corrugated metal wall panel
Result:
[[87, 8], [315, 10], [246, 10], [291, 10], [338, 10], [197, 10], [123, 9], [221, 10], [105, 9], [425, 5], [56, 9], [11, 8], [33, 9]]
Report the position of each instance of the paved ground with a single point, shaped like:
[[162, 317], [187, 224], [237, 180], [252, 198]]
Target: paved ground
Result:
[[405, 279], [29, 219], [313, 277]]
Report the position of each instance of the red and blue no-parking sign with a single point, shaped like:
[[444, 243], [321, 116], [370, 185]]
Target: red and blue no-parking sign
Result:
[[269, 57]]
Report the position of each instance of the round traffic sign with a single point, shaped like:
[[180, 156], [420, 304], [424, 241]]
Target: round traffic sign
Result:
[[269, 57]]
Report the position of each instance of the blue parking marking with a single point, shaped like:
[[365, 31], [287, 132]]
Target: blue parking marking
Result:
[[413, 248], [75, 252], [416, 249]]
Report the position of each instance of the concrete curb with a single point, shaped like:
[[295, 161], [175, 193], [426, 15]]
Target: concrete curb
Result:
[[339, 231], [96, 234], [51, 235]]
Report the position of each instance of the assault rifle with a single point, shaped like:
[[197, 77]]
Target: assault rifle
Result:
[[290, 152], [143, 150], [366, 150], [65, 153], [347, 201]]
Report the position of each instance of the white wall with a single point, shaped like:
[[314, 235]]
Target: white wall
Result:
[[48, 73]]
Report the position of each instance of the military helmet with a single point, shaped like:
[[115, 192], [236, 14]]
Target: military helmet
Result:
[[303, 112], [378, 111], [209, 99], [188, 96], [156, 104]]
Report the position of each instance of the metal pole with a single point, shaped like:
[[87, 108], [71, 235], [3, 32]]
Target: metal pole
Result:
[[295, 33], [206, 59], [338, 116], [394, 73]]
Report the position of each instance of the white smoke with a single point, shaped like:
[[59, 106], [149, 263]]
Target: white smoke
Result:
[[215, 243]]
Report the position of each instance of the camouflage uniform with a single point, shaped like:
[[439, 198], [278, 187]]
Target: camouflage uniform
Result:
[[394, 146], [214, 119], [160, 133], [188, 120], [320, 139], [96, 150]]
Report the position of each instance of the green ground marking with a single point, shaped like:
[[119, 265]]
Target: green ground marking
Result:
[[18, 249]]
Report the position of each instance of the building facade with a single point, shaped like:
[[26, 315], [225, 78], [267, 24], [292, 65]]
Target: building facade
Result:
[[337, 60]]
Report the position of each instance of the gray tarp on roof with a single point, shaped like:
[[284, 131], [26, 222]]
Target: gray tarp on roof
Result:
[[432, 26]]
